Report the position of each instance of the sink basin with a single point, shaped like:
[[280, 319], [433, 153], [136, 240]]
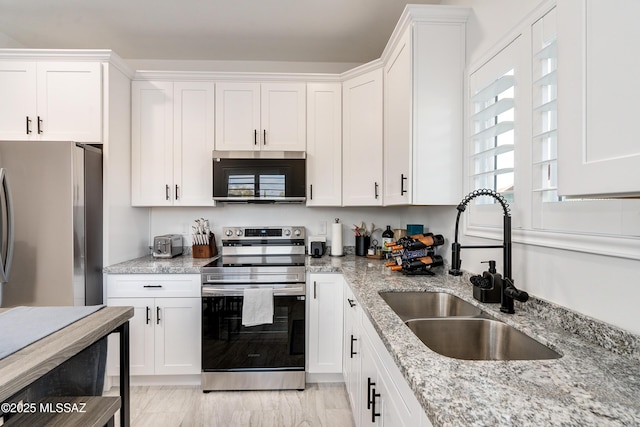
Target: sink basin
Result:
[[416, 305], [478, 339]]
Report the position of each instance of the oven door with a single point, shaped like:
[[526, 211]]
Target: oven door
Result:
[[229, 346]]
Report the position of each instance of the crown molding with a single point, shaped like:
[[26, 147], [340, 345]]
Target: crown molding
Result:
[[68, 55]]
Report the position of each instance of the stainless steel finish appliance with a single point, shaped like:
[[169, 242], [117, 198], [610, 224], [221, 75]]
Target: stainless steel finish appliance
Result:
[[50, 223], [259, 176], [267, 356], [167, 246]]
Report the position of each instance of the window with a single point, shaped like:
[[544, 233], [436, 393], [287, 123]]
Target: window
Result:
[[493, 137], [512, 148], [494, 116], [545, 109]]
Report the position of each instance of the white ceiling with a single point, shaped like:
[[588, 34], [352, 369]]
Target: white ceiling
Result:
[[255, 30]]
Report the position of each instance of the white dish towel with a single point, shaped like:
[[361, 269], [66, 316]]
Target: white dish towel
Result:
[[257, 306]]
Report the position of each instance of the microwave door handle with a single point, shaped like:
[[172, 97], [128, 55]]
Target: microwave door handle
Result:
[[6, 241]]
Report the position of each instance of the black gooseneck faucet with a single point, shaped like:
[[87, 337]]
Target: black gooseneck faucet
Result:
[[509, 291]]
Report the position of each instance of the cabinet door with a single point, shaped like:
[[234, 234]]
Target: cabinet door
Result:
[[371, 387], [398, 178], [598, 68], [69, 101], [324, 144], [18, 103], [177, 336], [238, 116], [193, 143], [352, 352], [141, 336], [283, 116], [362, 140], [325, 323], [152, 144]]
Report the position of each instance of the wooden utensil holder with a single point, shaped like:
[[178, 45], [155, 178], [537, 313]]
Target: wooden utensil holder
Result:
[[205, 251]]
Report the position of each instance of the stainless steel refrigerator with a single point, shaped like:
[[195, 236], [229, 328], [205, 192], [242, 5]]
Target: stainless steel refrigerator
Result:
[[50, 224]]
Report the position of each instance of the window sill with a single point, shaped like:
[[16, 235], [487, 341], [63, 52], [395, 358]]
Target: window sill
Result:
[[614, 246]]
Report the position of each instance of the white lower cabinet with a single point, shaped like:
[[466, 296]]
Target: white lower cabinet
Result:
[[325, 314], [352, 366], [165, 328], [378, 393]]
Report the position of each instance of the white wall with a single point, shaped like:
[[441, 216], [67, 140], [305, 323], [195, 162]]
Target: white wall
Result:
[[179, 220], [603, 287], [126, 228]]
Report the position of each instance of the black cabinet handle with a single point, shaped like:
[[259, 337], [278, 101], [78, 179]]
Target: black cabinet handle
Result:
[[376, 189], [402, 180], [374, 414], [148, 315], [264, 137], [255, 137], [157, 315], [311, 192], [28, 125], [40, 125], [353, 353], [152, 286], [315, 290], [166, 191], [369, 385], [352, 303], [177, 192]]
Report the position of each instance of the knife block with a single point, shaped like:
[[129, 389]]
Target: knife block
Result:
[[205, 251]]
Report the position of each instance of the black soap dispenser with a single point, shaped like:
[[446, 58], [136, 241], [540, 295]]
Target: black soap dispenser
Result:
[[488, 287]]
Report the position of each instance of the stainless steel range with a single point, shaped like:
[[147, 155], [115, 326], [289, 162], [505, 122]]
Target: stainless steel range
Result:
[[270, 355]]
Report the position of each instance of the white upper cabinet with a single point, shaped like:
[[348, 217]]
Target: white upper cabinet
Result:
[[172, 141], [193, 130], [397, 124], [152, 144], [423, 108], [237, 116], [362, 140], [54, 101], [324, 144], [598, 69], [255, 116]]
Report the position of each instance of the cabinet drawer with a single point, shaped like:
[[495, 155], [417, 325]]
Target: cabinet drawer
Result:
[[153, 285]]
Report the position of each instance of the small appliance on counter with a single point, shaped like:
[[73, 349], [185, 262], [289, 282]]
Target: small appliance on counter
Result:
[[167, 246], [317, 246]]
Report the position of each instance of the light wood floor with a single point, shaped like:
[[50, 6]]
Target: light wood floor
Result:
[[318, 405]]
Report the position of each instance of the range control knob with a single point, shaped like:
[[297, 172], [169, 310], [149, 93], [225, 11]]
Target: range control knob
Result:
[[238, 232], [297, 232], [228, 233], [287, 233]]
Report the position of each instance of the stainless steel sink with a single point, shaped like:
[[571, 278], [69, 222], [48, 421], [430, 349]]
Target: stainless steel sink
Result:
[[478, 339], [416, 305]]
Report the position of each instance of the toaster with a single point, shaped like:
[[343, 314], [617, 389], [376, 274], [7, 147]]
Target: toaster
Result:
[[167, 246]]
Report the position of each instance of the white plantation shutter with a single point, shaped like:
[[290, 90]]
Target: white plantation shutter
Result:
[[545, 109], [492, 138]]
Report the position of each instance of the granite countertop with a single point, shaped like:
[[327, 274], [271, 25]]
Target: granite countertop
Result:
[[588, 386], [595, 383], [182, 264]]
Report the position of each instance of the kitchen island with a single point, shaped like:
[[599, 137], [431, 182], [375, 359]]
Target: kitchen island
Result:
[[22, 368], [596, 381]]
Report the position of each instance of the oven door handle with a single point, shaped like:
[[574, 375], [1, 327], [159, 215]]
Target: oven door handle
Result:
[[208, 291]]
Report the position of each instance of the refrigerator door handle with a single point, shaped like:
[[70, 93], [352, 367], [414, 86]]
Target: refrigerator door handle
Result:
[[6, 241]]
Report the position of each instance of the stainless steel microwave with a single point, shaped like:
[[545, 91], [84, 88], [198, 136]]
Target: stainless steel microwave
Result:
[[259, 176]]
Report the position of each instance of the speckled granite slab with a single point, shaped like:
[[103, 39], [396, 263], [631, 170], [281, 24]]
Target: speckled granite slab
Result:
[[182, 264], [595, 383], [589, 386]]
